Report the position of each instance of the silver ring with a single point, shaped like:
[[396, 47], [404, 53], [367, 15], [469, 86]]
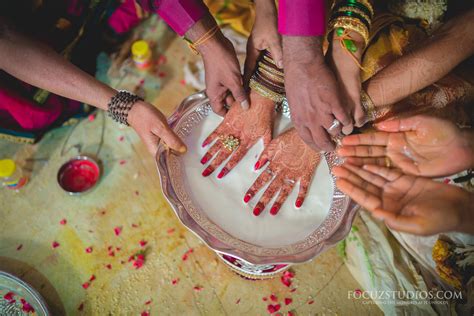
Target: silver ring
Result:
[[335, 124]]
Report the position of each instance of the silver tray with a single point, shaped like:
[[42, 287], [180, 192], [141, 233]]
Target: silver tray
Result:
[[334, 228]]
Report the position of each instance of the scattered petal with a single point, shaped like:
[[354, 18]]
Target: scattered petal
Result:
[[137, 193], [170, 231], [358, 291], [293, 290], [238, 301], [55, 244], [117, 230], [86, 285], [273, 308], [91, 117], [161, 74], [138, 260], [148, 302], [145, 313], [80, 307], [185, 256], [135, 225], [447, 180], [182, 82], [310, 302], [108, 266], [174, 281], [111, 253], [162, 60], [143, 243], [290, 313], [19, 247], [63, 221], [288, 301], [286, 278], [92, 278], [198, 288], [9, 296], [122, 162], [88, 249], [26, 307], [118, 248], [264, 299], [274, 298], [121, 138]]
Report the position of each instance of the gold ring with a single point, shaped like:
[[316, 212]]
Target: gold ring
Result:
[[388, 162], [229, 142]]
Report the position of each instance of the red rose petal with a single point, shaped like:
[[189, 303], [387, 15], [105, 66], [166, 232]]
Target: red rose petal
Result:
[[264, 299], [162, 59], [286, 281], [288, 274], [292, 290], [111, 254], [288, 301], [108, 266], [238, 301], [118, 230], [26, 307], [198, 288], [92, 278], [81, 307], [19, 247], [63, 221], [273, 308], [118, 248], [134, 225], [85, 285], [148, 302], [122, 162], [175, 281], [145, 313], [91, 118], [310, 302], [88, 249], [170, 231], [182, 82], [9, 296], [143, 243], [447, 180], [274, 298], [290, 313], [55, 244], [161, 74]]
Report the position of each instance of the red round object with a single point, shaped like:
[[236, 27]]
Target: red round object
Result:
[[79, 175]]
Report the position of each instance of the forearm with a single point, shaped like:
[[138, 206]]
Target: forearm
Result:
[[302, 50], [452, 44], [40, 66]]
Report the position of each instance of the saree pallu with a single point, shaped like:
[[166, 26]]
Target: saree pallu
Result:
[[450, 97]]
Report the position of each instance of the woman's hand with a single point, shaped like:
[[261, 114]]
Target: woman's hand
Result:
[[347, 72], [291, 160], [150, 124], [407, 203], [419, 145], [264, 36], [248, 126]]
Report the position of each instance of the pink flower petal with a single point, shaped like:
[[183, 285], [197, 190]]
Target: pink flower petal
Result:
[[143, 243], [264, 299], [290, 313], [88, 249], [273, 308], [91, 117], [121, 138], [118, 230], [55, 244], [145, 313], [92, 278], [9, 296], [274, 298], [26, 307], [175, 281], [63, 221], [185, 256], [288, 301], [19, 247], [182, 82], [86, 285]]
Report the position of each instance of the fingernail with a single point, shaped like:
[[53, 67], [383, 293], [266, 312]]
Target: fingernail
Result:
[[257, 165], [207, 171], [223, 172], [247, 197], [275, 209], [205, 158], [298, 203], [346, 130], [205, 143], [280, 64], [183, 149], [245, 104], [258, 209]]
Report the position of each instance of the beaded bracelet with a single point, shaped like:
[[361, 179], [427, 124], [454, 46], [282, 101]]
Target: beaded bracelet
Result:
[[120, 105]]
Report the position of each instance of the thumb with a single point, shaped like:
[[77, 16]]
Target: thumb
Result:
[[169, 138], [401, 125], [239, 94], [250, 61], [277, 52]]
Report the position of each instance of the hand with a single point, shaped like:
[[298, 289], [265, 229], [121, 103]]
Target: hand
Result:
[[312, 93], [246, 125], [291, 160], [347, 71], [419, 145], [224, 83], [264, 36], [407, 203], [150, 124]]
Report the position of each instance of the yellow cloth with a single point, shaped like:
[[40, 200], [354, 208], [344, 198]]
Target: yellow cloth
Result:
[[238, 14]]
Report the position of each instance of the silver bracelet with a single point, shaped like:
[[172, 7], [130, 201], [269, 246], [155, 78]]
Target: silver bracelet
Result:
[[120, 105]]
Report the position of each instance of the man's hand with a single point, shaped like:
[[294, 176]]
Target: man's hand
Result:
[[312, 93], [224, 83]]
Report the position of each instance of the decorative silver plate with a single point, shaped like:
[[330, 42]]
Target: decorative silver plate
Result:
[[14, 294], [333, 228]]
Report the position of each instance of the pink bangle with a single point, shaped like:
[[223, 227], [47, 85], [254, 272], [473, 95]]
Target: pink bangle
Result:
[[302, 17]]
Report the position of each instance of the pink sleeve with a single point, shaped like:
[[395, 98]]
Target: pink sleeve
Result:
[[179, 14], [302, 17]]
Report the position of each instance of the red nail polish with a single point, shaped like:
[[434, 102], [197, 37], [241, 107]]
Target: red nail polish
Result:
[[247, 197], [223, 172], [257, 165], [205, 158], [205, 143], [299, 202], [275, 209], [257, 210], [207, 171]]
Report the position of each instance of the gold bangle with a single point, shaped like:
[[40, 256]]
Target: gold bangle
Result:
[[358, 11], [265, 92], [270, 69], [350, 24], [367, 4], [270, 60], [271, 75]]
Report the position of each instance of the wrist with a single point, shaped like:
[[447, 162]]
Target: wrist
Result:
[[302, 50], [199, 29]]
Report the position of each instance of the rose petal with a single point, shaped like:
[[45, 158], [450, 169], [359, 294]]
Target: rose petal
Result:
[[170, 231], [134, 225], [143, 243], [292, 290], [121, 138], [175, 281], [26, 307], [148, 302], [288, 301], [118, 230], [85, 285], [80, 307], [145, 313], [108, 266], [19, 247], [55, 244], [238, 301], [88, 249], [111, 254], [182, 82], [290, 313], [310, 302], [122, 162], [198, 288], [63, 221], [273, 308], [9, 296], [264, 299], [185, 256], [274, 298], [92, 278], [161, 74], [91, 118]]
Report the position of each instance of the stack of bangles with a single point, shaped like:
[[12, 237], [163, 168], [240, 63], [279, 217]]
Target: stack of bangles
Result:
[[351, 15], [268, 79]]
